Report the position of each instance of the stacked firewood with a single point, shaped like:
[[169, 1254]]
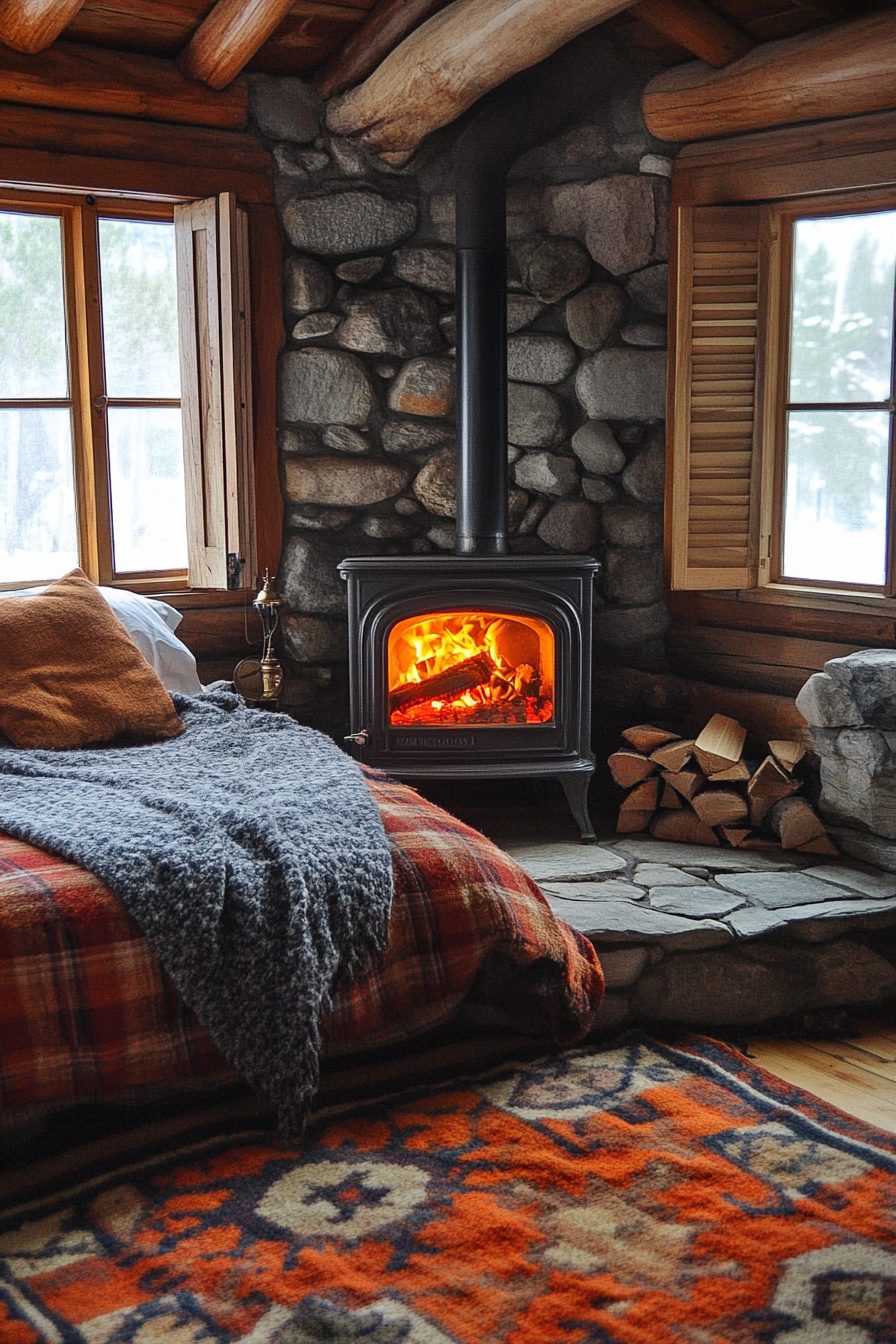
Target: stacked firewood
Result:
[[701, 790]]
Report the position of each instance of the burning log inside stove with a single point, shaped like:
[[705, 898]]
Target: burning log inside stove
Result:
[[476, 671]]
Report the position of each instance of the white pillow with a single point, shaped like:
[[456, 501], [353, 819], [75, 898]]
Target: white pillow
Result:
[[151, 625]]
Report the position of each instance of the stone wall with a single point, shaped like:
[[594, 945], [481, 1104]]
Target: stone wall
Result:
[[367, 435]]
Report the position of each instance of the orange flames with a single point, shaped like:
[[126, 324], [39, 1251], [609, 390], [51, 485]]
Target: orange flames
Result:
[[468, 667]]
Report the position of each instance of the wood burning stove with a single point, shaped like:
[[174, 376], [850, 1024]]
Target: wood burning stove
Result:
[[479, 664], [466, 667]]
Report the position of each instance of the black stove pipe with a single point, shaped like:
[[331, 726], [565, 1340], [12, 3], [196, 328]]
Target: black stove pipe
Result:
[[531, 107]]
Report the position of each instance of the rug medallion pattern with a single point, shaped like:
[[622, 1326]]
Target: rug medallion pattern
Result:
[[642, 1193]]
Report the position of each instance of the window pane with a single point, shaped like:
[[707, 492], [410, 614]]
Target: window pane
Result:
[[38, 535], [842, 329], [149, 529], [33, 360], [835, 516], [139, 286]]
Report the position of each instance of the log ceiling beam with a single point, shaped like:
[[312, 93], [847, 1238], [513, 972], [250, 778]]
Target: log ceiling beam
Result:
[[387, 24], [92, 79], [835, 72], [451, 61], [229, 37], [697, 28], [32, 25]]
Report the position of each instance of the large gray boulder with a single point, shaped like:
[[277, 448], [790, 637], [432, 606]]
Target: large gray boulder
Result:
[[547, 473], [623, 385], [572, 525], [556, 267], [324, 387], [308, 581], [645, 476], [615, 217], [436, 484], [389, 322], [428, 267], [538, 358], [284, 108], [310, 639], [632, 525], [632, 576], [536, 418], [597, 450], [593, 314], [348, 221], [857, 689], [307, 285], [650, 288]]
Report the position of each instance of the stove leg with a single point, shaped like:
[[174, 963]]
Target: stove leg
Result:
[[575, 786]]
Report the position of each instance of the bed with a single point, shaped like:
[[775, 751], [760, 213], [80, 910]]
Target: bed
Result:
[[87, 1012]]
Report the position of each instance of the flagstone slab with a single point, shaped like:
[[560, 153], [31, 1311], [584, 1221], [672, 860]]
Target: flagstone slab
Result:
[[777, 891], [720, 860], [612, 889], [703, 902], [565, 862], [878, 885], [626, 921], [662, 875]]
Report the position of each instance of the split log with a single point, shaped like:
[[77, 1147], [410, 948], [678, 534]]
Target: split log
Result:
[[822, 844], [449, 62], [685, 782], [34, 25], [633, 821], [92, 79], [720, 745], [719, 807], [840, 71], [646, 738], [229, 37], [630, 767], [670, 799], [643, 797], [675, 756], [735, 835], [685, 826], [697, 28], [795, 823], [380, 32], [738, 774], [475, 671], [788, 754], [770, 781]]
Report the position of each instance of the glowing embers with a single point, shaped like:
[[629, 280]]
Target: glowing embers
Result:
[[466, 667]]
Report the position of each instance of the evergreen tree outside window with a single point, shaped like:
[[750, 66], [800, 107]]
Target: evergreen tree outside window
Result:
[[839, 401]]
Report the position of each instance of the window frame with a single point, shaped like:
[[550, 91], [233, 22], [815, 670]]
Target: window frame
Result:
[[79, 215], [775, 325], [795, 166]]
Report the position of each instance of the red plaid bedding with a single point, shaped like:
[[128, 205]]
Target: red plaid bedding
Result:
[[87, 1013]]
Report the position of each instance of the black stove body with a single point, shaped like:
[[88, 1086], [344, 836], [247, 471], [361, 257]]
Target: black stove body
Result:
[[543, 600]]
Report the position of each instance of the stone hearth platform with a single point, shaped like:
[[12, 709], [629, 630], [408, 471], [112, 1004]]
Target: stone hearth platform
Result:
[[721, 937]]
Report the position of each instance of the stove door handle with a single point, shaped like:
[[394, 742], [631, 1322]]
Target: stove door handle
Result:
[[359, 738]]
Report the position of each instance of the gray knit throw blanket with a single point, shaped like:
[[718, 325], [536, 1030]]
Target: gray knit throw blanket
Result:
[[250, 852]]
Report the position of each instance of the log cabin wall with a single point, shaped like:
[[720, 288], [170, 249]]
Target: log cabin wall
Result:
[[367, 429]]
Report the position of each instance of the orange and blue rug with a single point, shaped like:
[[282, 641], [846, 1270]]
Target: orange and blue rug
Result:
[[641, 1193]]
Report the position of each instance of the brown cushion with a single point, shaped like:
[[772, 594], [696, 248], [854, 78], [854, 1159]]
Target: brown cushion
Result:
[[70, 674]]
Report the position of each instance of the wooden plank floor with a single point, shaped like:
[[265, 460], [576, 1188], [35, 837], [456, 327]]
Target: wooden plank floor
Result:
[[857, 1074]]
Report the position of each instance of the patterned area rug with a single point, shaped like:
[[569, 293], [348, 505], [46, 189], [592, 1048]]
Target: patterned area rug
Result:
[[640, 1193]]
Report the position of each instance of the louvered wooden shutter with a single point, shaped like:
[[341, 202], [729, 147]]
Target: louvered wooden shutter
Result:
[[713, 399], [216, 393]]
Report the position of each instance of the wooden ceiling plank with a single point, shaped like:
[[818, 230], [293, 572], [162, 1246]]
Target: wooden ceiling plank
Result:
[[387, 24], [94, 79], [228, 39], [451, 61], [697, 28], [834, 72], [32, 25]]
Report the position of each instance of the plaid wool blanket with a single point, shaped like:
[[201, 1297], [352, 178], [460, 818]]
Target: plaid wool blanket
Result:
[[88, 1014]]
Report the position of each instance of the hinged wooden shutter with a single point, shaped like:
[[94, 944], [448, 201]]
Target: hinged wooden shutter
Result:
[[216, 391], [713, 399]]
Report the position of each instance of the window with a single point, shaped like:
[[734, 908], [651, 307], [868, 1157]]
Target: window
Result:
[[836, 397], [781, 401], [108, 308]]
